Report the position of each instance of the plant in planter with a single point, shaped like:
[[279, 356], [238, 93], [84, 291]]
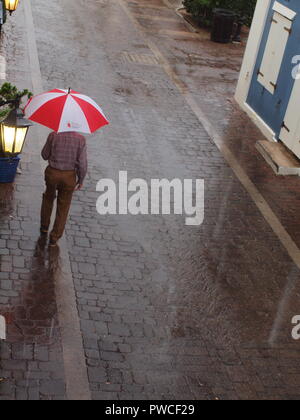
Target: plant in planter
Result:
[[9, 92], [243, 8], [202, 10], [10, 96], [14, 128]]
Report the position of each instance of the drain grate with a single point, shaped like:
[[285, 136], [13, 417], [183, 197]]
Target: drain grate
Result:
[[144, 59]]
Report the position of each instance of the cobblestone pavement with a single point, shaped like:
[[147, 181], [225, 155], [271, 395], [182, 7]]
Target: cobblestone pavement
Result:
[[167, 311], [31, 362]]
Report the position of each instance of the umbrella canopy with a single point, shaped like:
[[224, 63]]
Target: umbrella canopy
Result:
[[65, 110]]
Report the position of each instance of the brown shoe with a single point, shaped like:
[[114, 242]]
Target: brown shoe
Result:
[[52, 243]]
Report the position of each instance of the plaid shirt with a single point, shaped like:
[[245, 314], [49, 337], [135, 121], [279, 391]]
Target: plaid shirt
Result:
[[67, 152]]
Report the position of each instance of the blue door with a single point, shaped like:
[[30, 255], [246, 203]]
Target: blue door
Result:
[[272, 81]]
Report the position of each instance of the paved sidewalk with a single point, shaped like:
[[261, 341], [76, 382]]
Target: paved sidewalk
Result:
[[166, 311], [31, 358]]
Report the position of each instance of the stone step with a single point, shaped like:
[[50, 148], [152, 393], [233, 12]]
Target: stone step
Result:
[[277, 155]]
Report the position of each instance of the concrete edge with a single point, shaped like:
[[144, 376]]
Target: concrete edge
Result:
[[257, 121], [274, 163], [187, 24]]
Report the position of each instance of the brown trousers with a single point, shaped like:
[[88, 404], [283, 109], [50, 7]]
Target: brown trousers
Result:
[[64, 182]]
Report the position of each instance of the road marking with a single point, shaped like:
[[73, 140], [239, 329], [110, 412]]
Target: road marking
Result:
[[2, 67], [144, 5], [77, 384], [2, 328], [172, 6], [171, 33], [266, 211], [156, 18]]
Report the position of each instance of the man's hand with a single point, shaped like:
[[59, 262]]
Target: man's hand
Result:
[[78, 187]]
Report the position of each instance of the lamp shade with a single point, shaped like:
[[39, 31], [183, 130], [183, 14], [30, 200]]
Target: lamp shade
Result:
[[14, 129], [11, 5]]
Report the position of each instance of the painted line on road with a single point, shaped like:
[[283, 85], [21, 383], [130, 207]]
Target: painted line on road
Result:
[[155, 18], [2, 67], [178, 34], [2, 328], [172, 6], [268, 214], [145, 5], [77, 384]]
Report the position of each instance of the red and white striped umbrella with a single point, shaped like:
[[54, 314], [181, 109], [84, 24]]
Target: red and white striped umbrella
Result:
[[65, 110]]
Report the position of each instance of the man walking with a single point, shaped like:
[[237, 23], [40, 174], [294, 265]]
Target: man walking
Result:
[[67, 156]]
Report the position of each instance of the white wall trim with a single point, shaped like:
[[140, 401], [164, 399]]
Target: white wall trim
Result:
[[259, 122], [252, 49], [284, 11]]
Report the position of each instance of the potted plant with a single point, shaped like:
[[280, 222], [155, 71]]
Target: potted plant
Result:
[[13, 131], [202, 10]]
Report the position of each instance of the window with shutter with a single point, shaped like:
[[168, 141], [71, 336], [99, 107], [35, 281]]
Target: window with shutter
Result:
[[280, 31]]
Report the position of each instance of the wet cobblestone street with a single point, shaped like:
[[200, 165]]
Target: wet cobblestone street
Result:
[[166, 311]]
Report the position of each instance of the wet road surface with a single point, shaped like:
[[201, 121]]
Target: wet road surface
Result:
[[167, 311]]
